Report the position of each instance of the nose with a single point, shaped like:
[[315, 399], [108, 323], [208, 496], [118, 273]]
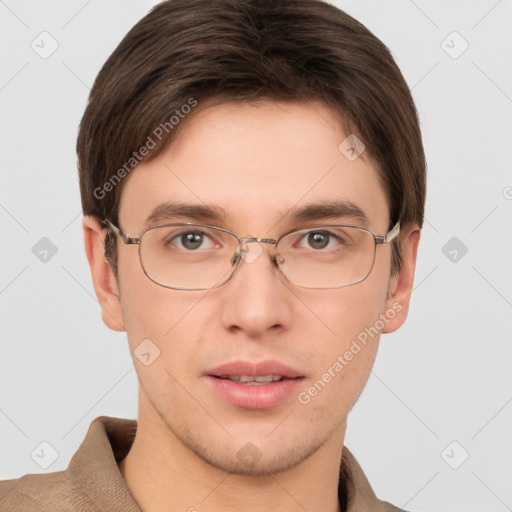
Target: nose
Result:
[[257, 299]]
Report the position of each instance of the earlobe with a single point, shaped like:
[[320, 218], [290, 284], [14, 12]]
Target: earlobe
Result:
[[105, 284], [401, 285]]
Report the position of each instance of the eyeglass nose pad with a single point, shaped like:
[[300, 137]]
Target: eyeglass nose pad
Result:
[[235, 259], [241, 253], [277, 260]]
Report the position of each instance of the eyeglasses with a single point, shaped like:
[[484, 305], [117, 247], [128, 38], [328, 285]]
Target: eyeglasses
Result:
[[188, 256]]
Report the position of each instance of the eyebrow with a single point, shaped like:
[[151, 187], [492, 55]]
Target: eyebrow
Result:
[[335, 210], [327, 210], [169, 210]]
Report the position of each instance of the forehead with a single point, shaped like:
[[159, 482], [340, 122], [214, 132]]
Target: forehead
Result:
[[255, 161]]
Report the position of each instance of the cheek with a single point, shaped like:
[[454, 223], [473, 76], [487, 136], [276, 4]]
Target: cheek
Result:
[[344, 357], [163, 324], [350, 327], [173, 320], [161, 314], [347, 312], [150, 311]]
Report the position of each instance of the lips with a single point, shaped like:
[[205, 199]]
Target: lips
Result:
[[246, 369], [254, 385]]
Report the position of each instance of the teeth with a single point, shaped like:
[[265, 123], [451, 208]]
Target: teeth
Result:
[[247, 379]]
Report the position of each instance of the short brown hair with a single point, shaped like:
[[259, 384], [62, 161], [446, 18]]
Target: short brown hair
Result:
[[187, 51]]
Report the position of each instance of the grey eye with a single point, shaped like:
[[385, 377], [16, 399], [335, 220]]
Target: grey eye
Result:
[[318, 239], [191, 240]]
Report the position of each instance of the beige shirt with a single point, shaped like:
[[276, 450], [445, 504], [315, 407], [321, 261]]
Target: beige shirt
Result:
[[93, 482]]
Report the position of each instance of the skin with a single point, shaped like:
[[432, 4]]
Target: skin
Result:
[[255, 160]]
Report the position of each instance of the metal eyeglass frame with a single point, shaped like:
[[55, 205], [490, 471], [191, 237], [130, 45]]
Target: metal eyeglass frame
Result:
[[237, 258]]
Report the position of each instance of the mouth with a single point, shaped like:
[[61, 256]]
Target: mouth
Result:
[[262, 372], [249, 380], [254, 385]]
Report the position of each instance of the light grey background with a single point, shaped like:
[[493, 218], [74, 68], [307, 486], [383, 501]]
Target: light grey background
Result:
[[444, 377]]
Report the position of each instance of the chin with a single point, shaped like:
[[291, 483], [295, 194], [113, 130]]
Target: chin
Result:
[[250, 454]]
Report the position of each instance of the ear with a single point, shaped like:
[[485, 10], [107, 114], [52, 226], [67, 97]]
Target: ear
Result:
[[401, 284], [103, 277]]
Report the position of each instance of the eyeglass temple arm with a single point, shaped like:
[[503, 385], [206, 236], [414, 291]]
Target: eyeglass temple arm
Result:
[[390, 235], [124, 237]]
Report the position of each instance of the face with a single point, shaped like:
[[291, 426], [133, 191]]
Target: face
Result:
[[256, 162]]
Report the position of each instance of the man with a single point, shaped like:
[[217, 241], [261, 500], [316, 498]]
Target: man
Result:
[[253, 185]]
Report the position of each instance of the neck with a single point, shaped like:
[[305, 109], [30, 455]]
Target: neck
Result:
[[163, 474]]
